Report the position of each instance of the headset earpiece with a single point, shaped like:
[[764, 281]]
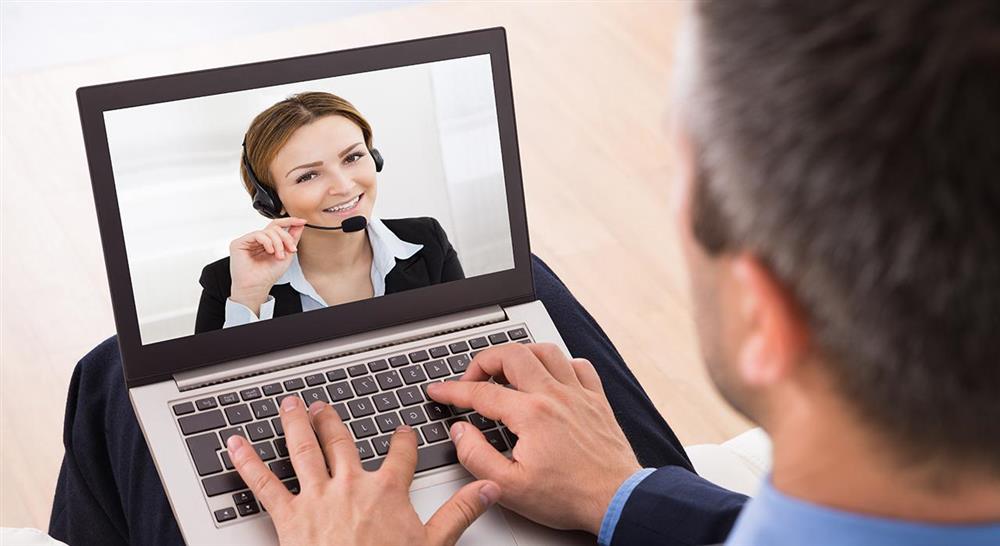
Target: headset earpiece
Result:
[[265, 200], [378, 159]]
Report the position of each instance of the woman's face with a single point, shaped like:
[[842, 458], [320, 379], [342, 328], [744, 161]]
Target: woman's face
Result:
[[324, 172]]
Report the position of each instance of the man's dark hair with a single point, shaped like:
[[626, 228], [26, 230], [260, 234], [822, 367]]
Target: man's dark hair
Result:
[[854, 147]]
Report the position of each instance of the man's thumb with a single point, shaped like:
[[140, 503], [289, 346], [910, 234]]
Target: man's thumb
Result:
[[458, 513]]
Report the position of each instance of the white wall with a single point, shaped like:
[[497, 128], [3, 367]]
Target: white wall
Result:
[[176, 168]]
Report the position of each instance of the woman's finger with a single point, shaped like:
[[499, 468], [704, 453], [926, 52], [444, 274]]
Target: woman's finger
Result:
[[303, 448], [265, 485], [296, 233], [279, 245], [285, 238], [288, 221], [336, 441]]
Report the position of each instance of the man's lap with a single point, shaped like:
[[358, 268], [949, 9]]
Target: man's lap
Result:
[[108, 489]]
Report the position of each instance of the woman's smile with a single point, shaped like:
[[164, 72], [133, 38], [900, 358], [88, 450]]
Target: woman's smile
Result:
[[342, 209]]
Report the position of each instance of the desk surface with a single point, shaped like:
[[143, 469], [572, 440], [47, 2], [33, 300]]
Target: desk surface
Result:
[[590, 85]]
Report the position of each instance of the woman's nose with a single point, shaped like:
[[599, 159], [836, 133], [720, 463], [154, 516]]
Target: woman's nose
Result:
[[339, 184]]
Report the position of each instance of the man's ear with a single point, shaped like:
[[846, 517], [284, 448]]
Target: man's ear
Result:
[[776, 334]]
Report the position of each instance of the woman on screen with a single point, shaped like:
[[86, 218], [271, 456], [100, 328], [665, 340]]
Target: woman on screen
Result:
[[308, 163]]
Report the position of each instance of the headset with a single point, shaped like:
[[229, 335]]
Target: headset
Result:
[[266, 201]]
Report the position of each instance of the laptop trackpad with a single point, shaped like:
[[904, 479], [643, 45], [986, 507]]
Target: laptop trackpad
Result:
[[490, 529]]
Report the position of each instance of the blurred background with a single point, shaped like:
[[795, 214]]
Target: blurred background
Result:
[[590, 84]]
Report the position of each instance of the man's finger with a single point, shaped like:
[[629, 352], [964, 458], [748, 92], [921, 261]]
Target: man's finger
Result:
[[587, 375], [303, 448], [402, 458], [338, 445], [489, 399], [514, 361], [266, 487], [458, 513], [555, 361], [477, 455]]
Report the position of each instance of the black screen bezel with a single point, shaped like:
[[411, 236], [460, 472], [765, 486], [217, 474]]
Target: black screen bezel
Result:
[[144, 364]]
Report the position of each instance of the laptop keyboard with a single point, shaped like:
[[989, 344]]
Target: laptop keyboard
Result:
[[372, 398]]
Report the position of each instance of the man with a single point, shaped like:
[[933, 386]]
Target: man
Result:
[[836, 172]]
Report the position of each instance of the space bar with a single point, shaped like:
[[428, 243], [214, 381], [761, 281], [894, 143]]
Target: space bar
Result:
[[428, 457]]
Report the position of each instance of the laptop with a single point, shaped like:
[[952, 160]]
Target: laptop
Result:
[[165, 156]]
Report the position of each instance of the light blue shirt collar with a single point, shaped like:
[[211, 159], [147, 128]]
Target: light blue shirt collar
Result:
[[776, 519], [387, 247]]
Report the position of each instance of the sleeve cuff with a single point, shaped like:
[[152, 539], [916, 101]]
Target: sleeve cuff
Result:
[[238, 314], [614, 512]]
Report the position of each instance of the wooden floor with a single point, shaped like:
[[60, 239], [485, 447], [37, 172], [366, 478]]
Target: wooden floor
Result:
[[590, 83]]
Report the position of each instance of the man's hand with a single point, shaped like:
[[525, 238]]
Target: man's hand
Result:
[[340, 502], [571, 455]]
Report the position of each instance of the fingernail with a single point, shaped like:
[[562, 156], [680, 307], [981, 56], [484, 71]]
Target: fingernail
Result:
[[433, 387], [316, 407], [489, 494], [404, 428], [235, 443], [290, 403], [457, 430]]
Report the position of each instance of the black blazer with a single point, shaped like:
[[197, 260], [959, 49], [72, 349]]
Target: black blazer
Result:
[[435, 263]]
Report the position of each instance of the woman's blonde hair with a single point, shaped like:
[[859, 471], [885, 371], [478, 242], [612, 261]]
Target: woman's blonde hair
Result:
[[272, 128]]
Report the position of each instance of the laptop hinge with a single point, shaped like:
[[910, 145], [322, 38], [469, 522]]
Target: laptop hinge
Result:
[[327, 350]]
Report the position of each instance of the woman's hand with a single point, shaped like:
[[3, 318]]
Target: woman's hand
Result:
[[340, 502], [259, 258]]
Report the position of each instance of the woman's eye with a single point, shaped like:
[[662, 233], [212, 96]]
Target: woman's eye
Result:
[[305, 177], [353, 157]]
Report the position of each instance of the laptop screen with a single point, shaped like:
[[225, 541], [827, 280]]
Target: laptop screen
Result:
[[414, 151]]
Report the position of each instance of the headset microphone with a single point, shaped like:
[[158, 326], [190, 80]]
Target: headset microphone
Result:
[[350, 225]]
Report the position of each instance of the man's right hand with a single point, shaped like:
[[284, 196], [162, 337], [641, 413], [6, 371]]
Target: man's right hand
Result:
[[571, 455], [259, 258]]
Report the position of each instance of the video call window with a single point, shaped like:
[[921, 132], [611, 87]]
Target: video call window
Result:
[[406, 160]]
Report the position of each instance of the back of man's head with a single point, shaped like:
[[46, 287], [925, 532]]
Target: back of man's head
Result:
[[854, 147]]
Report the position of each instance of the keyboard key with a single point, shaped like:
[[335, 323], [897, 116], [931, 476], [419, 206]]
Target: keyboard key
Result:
[[378, 365], [203, 448], [205, 403], [247, 509], [282, 468], [225, 434], [294, 384], [454, 420], [361, 407], [364, 449], [314, 395], [436, 455], [223, 483], [264, 450], [424, 389], [200, 422], [434, 432], [398, 360], [389, 380], [413, 374], [437, 411], [280, 397], [478, 342], [413, 416], [481, 422], [495, 439], [371, 465], [363, 428], [239, 414], [436, 369], [385, 401], [459, 411], [336, 375], [498, 338], [263, 409], [184, 408], [279, 429], [357, 369], [229, 398], [342, 411], [339, 391], [225, 515], [459, 363], [525, 341], [281, 446], [409, 396], [259, 431], [382, 443], [439, 352], [293, 486], [474, 353], [252, 393], [517, 333], [243, 497], [419, 356], [272, 389], [315, 379], [511, 437], [226, 461], [458, 347], [364, 385], [387, 422]]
